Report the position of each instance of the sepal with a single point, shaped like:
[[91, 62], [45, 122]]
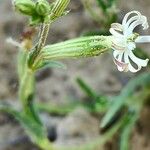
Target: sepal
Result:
[[26, 7], [42, 7], [50, 64]]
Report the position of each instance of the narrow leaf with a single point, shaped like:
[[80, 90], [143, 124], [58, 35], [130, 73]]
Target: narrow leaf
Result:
[[139, 82]]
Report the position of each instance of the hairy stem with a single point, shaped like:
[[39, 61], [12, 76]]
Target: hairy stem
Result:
[[34, 56], [26, 95], [43, 36]]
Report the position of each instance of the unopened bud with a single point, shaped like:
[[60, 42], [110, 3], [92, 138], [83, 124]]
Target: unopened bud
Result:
[[26, 7], [42, 7]]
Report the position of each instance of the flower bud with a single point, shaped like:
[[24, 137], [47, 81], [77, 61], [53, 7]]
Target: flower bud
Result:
[[59, 8], [77, 48], [42, 7], [26, 7]]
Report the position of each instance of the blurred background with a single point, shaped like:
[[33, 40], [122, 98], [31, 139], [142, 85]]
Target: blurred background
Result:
[[58, 87]]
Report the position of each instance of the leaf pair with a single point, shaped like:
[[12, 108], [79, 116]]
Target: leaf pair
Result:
[[36, 131]]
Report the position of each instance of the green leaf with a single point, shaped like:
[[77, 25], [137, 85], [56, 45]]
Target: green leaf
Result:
[[56, 110], [110, 3], [35, 20], [26, 7], [34, 130], [127, 129], [99, 103], [22, 59], [26, 121], [86, 89], [51, 64], [103, 104], [102, 4], [139, 82], [105, 4]]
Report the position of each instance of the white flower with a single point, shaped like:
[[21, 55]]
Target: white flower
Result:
[[125, 42]]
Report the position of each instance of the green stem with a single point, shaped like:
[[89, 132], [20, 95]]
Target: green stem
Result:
[[44, 144], [34, 56], [22, 58], [126, 133], [27, 85], [43, 36], [26, 94], [86, 89]]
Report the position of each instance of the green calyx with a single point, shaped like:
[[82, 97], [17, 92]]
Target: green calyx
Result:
[[41, 11], [26, 7], [77, 48], [42, 7], [59, 9]]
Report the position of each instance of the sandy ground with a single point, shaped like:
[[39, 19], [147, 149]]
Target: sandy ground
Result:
[[59, 86]]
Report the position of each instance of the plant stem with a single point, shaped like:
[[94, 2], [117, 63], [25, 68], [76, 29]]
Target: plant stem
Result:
[[27, 85], [43, 36], [34, 58], [26, 95], [126, 132], [44, 144]]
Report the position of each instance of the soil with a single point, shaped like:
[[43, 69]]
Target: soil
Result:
[[58, 86]]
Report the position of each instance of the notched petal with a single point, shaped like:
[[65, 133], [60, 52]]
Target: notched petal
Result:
[[125, 40], [117, 27], [115, 33], [138, 61], [145, 23], [121, 65], [118, 47], [127, 16]]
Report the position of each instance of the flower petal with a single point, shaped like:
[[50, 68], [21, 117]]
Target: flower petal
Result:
[[130, 67], [131, 46], [131, 20], [141, 21], [117, 26], [143, 39], [121, 65], [117, 46], [116, 53], [125, 19], [125, 42], [115, 33], [138, 61], [126, 26]]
